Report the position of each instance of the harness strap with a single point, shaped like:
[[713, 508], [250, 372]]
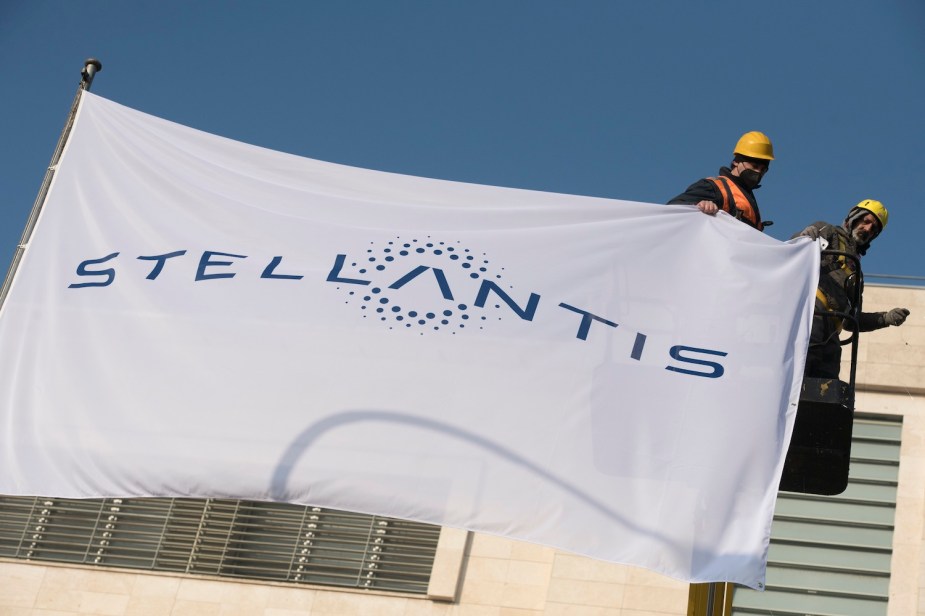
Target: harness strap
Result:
[[839, 262], [729, 201], [825, 304], [736, 203]]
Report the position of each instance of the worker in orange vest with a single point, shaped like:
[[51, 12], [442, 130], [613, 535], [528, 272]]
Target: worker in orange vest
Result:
[[732, 190]]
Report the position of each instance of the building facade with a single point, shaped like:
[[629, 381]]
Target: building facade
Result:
[[857, 554]]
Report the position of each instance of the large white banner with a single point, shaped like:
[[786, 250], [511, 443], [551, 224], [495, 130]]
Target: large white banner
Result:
[[200, 317]]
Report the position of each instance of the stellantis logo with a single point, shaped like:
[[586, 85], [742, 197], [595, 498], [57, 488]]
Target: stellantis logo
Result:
[[373, 283]]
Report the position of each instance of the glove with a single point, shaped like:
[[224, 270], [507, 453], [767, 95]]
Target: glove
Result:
[[896, 316], [810, 232]]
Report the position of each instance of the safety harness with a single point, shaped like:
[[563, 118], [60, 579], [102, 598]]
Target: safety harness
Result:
[[838, 263], [736, 203]]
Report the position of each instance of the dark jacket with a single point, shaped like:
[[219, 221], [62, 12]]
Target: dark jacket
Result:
[[705, 190], [836, 277]]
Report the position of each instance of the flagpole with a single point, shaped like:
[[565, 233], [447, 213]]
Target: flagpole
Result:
[[91, 67]]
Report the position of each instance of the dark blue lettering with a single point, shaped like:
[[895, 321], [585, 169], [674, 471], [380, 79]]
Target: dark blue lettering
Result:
[[268, 272], [207, 261], [420, 269], [638, 346], [160, 260], [334, 275], [524, 313], [717, 369], [586, 319], [82, 270]]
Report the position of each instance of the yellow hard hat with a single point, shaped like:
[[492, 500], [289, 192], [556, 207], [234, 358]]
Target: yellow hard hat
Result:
[[876, 208], [755, 145]]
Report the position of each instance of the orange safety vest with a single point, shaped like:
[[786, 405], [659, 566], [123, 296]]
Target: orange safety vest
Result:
[[736, 203]]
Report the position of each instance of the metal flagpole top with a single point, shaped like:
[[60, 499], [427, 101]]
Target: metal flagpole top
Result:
[[91, 67]]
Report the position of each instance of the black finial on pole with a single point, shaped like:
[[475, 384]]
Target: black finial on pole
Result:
[[91, 67]]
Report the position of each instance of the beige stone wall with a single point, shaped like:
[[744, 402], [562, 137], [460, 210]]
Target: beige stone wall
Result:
[[499, 577], [480, 575], [510, 578], [893, 359], [891, 380]]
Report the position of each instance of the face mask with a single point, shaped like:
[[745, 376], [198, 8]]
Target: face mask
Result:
[[749, 178]]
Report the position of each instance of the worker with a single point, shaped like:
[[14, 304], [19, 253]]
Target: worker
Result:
[[837, 278], [732, 190]]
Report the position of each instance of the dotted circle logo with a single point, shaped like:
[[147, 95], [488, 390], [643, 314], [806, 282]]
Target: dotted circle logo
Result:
[[392, 264]]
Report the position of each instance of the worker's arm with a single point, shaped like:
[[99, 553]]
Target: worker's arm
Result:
[[814, 231], [702, 194], [869, 321]]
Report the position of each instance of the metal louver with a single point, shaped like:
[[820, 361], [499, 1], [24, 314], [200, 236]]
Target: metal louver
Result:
[[225, 538], [830, 555]]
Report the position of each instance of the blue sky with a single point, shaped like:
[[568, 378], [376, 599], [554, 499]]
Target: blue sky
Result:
[[606, 98]]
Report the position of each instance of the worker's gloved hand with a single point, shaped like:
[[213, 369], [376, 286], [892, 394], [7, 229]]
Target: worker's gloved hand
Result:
[[896, 316], [810, 232]]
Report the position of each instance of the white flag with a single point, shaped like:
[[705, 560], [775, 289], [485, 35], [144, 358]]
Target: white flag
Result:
[[200, 317]]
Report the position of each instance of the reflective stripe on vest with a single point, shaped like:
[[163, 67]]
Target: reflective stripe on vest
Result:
[[736, 203]]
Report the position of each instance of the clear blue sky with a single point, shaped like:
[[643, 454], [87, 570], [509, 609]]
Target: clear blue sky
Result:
[[629, 100]]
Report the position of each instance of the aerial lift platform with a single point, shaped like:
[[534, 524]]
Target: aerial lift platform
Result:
[[820, 448]]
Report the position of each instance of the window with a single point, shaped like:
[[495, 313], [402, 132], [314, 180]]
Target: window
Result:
[[831, 554], [225, 538]]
